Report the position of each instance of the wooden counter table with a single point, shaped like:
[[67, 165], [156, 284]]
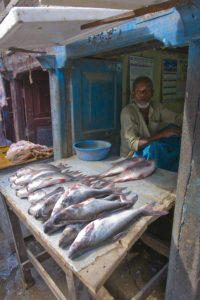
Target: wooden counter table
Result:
[[159, 187]]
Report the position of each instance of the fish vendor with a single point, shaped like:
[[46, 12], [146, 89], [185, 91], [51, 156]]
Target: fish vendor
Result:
[[141, 128]]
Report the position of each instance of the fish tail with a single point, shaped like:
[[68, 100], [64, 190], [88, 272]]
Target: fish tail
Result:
[[118, 179], [148, 210], [131, 201]]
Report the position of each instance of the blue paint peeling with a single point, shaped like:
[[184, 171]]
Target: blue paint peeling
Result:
[[184, 217], [175, 28]]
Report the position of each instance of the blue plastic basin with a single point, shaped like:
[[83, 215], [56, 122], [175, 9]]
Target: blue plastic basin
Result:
[[92, 149]]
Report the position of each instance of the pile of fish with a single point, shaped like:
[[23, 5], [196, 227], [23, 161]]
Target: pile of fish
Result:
[[131, 169], [90, 209]]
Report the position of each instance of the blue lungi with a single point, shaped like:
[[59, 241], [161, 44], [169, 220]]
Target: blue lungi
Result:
[[165, 152]]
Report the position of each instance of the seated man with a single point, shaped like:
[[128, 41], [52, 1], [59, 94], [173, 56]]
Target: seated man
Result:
[[141, 133]]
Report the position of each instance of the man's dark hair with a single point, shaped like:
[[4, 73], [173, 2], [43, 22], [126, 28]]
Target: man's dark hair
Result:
[[144, 79]]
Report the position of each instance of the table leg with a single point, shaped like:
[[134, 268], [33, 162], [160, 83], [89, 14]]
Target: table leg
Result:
[[27, 279], [76, 289]]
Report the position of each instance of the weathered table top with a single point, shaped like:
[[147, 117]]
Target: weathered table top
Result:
[[159, 187]]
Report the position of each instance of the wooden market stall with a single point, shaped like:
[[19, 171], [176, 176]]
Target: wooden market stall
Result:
[[94, 268], [71, 74]]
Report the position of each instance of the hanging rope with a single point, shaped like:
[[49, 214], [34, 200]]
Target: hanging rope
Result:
[[29, 68]]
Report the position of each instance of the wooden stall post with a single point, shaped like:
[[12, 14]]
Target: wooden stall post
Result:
[[61, 114], [18, 108], [184, 267], [60, 96], [27, 279], [76, 289]]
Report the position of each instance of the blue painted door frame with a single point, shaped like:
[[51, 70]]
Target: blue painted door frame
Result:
[[96, 100]]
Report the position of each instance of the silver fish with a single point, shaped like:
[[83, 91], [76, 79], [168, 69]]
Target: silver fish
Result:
[[109, 229], [22, 193], [70, 233], [88, 210], [16, 186], [49, 227], [75, 197], [37, 209], [12, 178], [141, 170], [41, 193], [48, 181], [25, 179], [122, 166], [34, 167], [80, 192], [49, 204]]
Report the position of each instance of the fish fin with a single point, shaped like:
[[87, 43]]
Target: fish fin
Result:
[[148, 210], [119, 235], [109, 185], [108, 213], [127, 193], [112, 197], [132, 201], [103, 215]]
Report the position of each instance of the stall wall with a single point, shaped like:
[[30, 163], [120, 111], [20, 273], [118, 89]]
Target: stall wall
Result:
[[157, 56]]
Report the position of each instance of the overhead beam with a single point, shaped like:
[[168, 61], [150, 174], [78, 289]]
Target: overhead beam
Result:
[[172, 28]]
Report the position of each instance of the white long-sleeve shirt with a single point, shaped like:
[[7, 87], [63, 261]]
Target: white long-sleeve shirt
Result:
[[134, 127]]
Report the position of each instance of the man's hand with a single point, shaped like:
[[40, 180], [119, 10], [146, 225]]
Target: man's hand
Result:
[[170, 132], [163, 134]]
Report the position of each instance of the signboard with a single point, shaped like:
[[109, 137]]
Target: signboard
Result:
[[169, 80]]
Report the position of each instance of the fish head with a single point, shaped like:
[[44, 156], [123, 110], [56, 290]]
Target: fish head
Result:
[[61, 216], [82, 242], [47, 208], [48, 227], [75, 249], [66, 237]]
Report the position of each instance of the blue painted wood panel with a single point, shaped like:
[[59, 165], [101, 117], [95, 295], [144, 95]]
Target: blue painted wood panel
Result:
[[97, 96], [171, 28]]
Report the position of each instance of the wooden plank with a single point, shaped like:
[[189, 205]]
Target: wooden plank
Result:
[[156, 244], [183, 276], [40, 257], [137, 13], [103, 294], [27, 279], [45, 276], [76, 289], [152, 284]]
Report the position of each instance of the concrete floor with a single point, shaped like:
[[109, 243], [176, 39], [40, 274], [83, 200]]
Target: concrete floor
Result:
[[141, 264]]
